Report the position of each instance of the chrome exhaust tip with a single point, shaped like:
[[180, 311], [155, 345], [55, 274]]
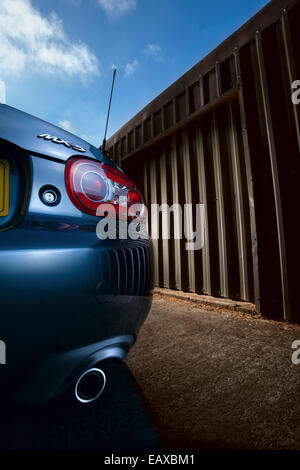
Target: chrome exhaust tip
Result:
[[90, 385]]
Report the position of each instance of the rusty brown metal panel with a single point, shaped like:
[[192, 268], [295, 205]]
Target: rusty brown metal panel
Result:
[[201, 90], [274, 169], [239, 209], [145, 187], [269, 278], [117, 155], [188, 215], [203, 200], [291, 67], [154, 217], [262, 19], [218, 78], [177, 227], [187, 101], [165, 219], [176, 123], [220, 209], [214, 137], [246, 150]]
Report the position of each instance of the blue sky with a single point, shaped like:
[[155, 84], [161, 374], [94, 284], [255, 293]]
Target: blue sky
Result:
[[57, 56]]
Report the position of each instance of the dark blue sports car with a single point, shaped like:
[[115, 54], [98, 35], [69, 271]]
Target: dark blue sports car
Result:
[[68, 299]]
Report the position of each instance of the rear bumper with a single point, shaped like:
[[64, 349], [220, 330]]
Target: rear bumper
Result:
[[57, 372], [62, 305]]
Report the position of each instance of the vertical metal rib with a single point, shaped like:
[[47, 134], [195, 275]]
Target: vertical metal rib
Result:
[[126, 145], [250, 188], [174, 111], [154, 220], [143, 132], [203, 200], [187, 101], [152, 126], [115, 157], [165, 219], [163, 120], [188, 214], [275, 177], [239, 210], [177, 221], [201, 89], [218, 79], [224, 290], [291, 67], [146, 194]]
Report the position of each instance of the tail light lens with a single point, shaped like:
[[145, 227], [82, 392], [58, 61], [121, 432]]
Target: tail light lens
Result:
[[90, 184]]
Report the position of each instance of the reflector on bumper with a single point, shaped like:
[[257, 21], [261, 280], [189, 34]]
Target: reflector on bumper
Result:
[[4, 188]]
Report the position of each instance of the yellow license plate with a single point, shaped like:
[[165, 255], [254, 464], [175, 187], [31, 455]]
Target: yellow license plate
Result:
[[4, 188]]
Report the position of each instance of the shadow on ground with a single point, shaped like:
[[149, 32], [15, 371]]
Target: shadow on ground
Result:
[[218, 380], [117, 420], [213, 380]]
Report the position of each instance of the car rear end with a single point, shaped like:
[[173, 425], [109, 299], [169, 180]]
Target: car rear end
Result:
[[68, 299]]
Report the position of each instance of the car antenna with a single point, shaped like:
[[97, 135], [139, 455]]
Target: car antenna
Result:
[[107, 119]]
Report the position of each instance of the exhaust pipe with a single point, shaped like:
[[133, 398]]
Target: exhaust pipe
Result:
[[90, 385]]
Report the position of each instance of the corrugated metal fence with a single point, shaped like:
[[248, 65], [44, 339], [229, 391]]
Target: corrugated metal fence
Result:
[[227, 134]]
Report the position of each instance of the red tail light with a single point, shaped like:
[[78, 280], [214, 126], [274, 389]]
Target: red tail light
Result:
[[91, 184]]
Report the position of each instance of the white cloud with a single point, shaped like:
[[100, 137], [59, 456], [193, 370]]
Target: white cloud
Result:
[[115, 8], [154, 51], [66, 125], [131, 67], [2, 92], [30, 41]]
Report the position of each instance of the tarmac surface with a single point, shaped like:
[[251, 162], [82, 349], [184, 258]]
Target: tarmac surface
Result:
[[197, 379], [218, 379]]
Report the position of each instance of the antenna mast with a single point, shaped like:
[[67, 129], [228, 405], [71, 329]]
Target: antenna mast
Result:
[[108, 113]]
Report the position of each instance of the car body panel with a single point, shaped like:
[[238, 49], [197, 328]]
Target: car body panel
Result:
[[66, 297], [23, 130]]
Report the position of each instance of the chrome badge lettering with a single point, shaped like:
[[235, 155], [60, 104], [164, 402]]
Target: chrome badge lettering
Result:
[[57, 140]]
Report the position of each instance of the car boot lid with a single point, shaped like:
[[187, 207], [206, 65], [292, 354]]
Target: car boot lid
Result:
[[38, 136]]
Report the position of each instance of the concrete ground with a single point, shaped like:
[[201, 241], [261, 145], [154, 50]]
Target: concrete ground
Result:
[[218, 379]]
